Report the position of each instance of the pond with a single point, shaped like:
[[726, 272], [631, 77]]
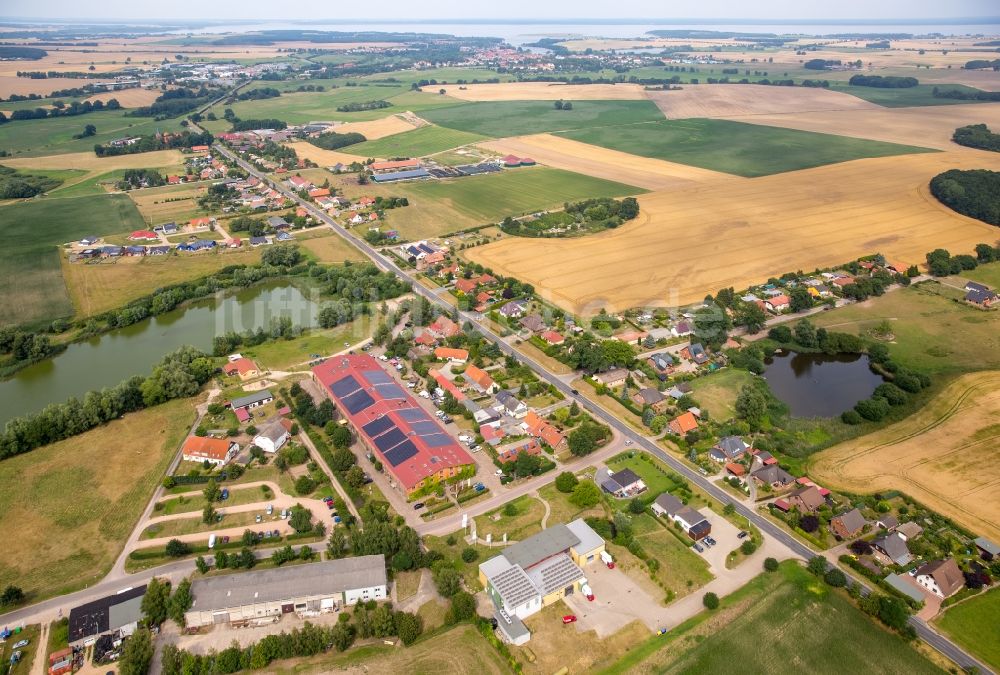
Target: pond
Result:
[[107, 359], [820, 385]]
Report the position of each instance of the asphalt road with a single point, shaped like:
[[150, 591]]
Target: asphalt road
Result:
[[925, 632]]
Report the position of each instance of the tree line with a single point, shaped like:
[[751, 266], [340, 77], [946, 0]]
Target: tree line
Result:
[[883, 82], [174, 102], [256, 94], [363, 105], [331, 140], [966, 94], [17, 185], [63, 110], [179, 374], [151, 143], [974, 193]]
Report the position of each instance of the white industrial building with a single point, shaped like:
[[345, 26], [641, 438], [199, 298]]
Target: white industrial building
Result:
[[306, 590]]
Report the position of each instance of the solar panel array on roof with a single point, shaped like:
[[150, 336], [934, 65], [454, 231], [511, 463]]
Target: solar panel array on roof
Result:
[[401, 453], [413, 414], [390, 391], [389, 439], [425, 427], [377, 376], [357, 401], [344, 386], [437, 440], [376, 427]]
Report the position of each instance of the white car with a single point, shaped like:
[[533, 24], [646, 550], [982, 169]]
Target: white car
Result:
[[383, 357], [628, 441], [499, 472]]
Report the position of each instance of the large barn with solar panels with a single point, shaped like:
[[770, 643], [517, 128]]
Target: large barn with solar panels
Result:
[[412, 446]]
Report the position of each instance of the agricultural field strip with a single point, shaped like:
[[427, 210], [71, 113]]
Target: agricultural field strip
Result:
[[686, 242], [940, 455]]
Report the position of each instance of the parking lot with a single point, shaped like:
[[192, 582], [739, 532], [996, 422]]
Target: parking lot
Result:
[[618, 601], [726, 537]]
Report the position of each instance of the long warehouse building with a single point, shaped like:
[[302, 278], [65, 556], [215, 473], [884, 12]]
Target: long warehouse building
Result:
[[306, 590], [413, 447]]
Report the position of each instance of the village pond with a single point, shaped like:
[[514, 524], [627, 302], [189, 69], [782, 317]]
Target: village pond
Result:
[[107, 359], [820, 385]]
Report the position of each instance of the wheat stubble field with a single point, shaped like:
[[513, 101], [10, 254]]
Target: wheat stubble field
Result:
[[691, 241], [944, 456]]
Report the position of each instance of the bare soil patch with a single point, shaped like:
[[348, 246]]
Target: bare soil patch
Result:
[[720, 100], [691, 241], [944, 456], [591, 160]]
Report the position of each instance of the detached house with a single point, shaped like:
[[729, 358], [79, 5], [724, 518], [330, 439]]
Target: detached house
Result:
[[612, 378], [682, 424], [533, 323], [807, 499], [691, 521], [943, 578], [651, 397], [273, 437], [848, 525], [727, 449], [217, 451], [778, 303], [245, 368], [891, 550], [480, 379], [774, 476], [623, 484], [454, 355], [695, 352], [508, 403]]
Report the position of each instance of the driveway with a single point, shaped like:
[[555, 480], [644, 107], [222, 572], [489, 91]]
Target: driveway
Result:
[[723, 532], [618, 601]]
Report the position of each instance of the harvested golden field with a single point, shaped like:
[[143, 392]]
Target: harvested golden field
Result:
[[720, 100], [90, 162], [944, 456], [129, 98], [96, 288], [929, 126], [11, 84], [547, 91], [375, 129], [695, 240], [592, 160], [322, 157]]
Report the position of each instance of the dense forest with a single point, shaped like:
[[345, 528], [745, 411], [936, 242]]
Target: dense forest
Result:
[[332, 140], [974, 193], [886, 82], [977, 136]]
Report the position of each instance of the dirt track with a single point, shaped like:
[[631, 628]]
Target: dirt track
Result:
[[695, 240], [943, 456]]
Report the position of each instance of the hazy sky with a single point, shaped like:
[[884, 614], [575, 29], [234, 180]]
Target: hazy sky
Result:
[[479, 9]]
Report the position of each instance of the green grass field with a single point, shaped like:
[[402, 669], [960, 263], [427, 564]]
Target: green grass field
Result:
[[735, 147], [717, 392], [492, 197], [920, 95], [32, 288], [517, 118], [975, 625], [933, 333], [784, 622], [988, 274], [67, 513], [31, 138], [417, 143]]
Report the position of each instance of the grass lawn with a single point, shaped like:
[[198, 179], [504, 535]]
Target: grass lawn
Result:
[[329, 248], [988, 274], [32, 288], [54, 135], [178, 203], [173, 528], [67, 514], [460, 650], [525, 522], [518, 191], [30, 633], [561, 510], [682, 571], [417, 143], [656, 480], [975, 625], [407, 584], [99, 287], [736, 147], [296, 353], [517, 118], [804, 624], [237, 497], [453, 553], [717, 392], [932, 332]]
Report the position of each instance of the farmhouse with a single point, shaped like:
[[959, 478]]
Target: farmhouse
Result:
[[612, 378], [307, 590], [217, 451], [245, 368], [538, 571], [622, 484], [272, 437], [691, 521], [943, 578], [415, 450], [848, 525], [258, 398], [727, 449], [978, 294], [454, 355], [118, 612]]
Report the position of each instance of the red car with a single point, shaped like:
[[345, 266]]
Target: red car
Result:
[[569, 618], [590, 596]]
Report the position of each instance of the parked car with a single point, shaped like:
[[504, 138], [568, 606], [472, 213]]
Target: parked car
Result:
[[499, 472], [336, 518], [478, 487], [15, 658], [258, 518], [698, 548], [225, 494], [569, 618], [743, 534], [418, 506], [710, 541], [22, 643], [574, 392], [628, 441], [270, 509]]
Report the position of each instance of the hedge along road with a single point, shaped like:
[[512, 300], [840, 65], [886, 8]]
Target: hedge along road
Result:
[[925, 632]]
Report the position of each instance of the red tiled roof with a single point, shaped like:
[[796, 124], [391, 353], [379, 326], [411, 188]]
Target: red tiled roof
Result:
[[397, 164], [449, 353], [684, 423], [479, 376], [143, 234], [241, 366], [319, 192], [466, 285], [428, 461], [553, 338], [208, 448], [447, 384]]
